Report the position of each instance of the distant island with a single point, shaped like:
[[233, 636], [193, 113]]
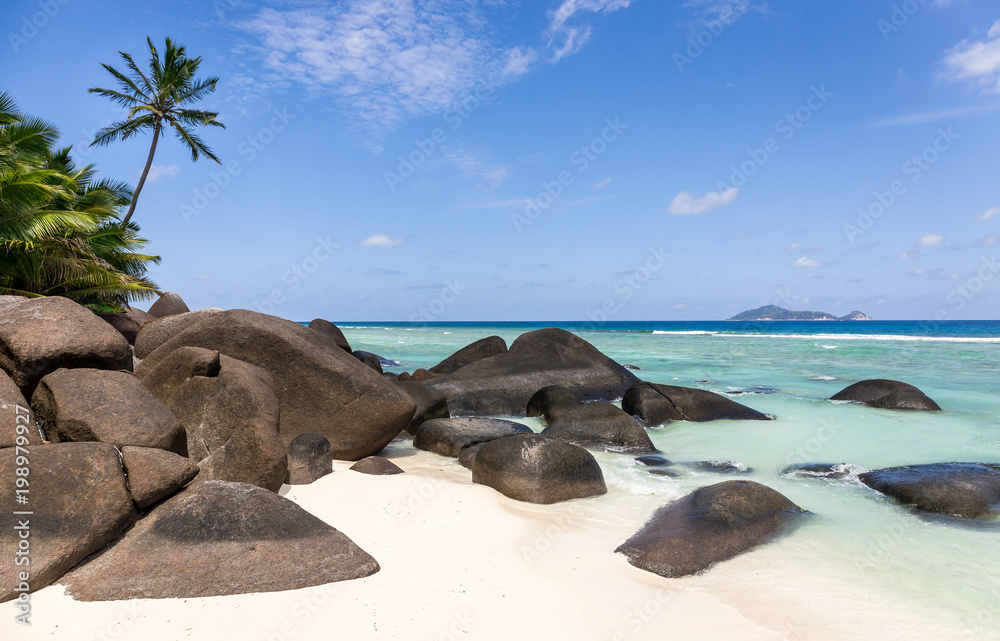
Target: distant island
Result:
[[775, 313]]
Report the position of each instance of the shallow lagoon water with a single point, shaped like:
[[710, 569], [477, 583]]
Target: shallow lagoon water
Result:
[[857, 547]]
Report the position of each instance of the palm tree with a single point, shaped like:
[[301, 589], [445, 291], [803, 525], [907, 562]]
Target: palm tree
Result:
[[59, 229], [156, 101]]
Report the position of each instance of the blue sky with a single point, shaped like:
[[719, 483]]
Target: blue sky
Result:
[[555, 160]]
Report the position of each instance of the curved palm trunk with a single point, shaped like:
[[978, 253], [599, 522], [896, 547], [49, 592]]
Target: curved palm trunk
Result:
[[142, 178]]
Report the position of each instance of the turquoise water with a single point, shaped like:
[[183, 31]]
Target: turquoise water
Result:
[[858, 541]]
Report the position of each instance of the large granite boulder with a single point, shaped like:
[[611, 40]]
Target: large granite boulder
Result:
[[655, 404], [501, 385], [155, 474], [159, 330], [123, 324], [483, 348], [332, 332], [967, 490], [430, 403], [886, 394], [219, 538], [374, 361], [110, 407], [41, 335], [16, 416], [168, 304], [229, 410], [551, 402], [320, 388], [712, 524], [600, 424], [449, 436], [79, 504], [310, 457], [538, 469]]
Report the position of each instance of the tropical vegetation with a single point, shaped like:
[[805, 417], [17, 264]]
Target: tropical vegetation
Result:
[[60, 231]]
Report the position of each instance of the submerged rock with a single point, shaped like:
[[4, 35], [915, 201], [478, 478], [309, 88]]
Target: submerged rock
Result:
[[967, 490], [652, 460], [551, 402], [538, 469], [600, 424], [501, 385], [449, 436], [219, 538], [823, 470], [712, 524], [655, 404], [719, 467], [886, 394]]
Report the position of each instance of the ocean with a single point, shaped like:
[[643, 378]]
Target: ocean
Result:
[[857, 546]]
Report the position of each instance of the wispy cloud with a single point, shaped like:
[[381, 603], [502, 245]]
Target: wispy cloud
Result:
[[977, 60], [929, 240], [380, 240], [805, 261], [568, 32], [725, 10], [989, 213], [686, 203], [908, 255], [925, 117], [601, 184], [159, 171]]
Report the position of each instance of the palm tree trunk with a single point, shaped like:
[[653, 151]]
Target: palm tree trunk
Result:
[[145, 171]]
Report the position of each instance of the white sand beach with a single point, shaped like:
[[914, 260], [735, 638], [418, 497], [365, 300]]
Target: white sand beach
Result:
[[461, 561]]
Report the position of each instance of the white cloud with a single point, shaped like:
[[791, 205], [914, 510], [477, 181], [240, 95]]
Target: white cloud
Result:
[[907, 255], [601, 184], [159, 171], [686, 203], [925, 117], [794, 247], [977, 60], [929, 240], [727, 11], [567, 36], [805, 261], [519, 61], [380, 240], [989, 213]]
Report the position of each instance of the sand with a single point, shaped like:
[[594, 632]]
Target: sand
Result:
[[461, 561]]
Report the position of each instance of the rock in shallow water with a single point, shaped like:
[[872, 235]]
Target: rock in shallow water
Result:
[[218, 538], [538, 469], [501, 385], [551, 402], [886, 394], [655, 404], [967, 490], [449, 436], [712, 524], [600, 424]]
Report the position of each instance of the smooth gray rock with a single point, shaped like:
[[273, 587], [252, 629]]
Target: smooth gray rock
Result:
[[168, 304], [449, 436], [886, 394], [155, 474], [600, 424], [655, 404], [965, 490], [159, 330]]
